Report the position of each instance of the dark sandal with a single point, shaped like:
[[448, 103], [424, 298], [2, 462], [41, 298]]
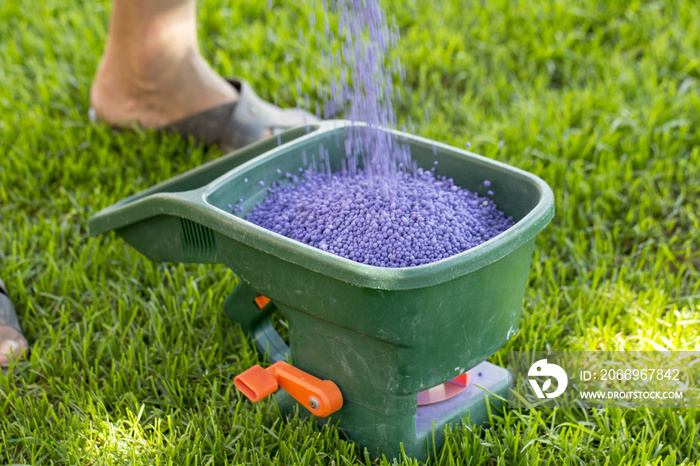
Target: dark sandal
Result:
[[12, 342], [237, 124]]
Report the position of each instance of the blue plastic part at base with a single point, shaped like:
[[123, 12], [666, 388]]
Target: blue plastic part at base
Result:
[[470, 402], [488, 384]]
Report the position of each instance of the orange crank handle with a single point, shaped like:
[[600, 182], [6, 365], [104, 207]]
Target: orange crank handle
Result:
[[321, 397]]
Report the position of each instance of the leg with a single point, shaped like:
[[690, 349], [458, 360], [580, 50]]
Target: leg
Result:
[[12, 342], [152, 73]]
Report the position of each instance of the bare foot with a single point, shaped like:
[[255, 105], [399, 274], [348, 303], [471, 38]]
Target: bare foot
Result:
[[12, 345], [151, 73], [12, 342], [154, 88]]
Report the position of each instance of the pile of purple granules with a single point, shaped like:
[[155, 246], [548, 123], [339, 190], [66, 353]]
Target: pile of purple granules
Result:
[[406, 222]]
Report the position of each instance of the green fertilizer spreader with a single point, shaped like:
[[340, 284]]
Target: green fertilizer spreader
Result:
[[393, 354]]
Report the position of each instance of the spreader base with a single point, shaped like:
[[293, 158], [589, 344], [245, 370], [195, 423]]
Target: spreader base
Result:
[[378, 433]]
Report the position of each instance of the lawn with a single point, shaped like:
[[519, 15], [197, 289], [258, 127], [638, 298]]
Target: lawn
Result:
[[132, 362]]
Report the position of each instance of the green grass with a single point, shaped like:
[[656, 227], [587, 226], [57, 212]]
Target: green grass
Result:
[[132, 361]]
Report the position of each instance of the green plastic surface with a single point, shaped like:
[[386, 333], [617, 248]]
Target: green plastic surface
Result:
[[381, 334]]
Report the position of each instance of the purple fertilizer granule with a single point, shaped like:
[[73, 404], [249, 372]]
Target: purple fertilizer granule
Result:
[[404, 222]]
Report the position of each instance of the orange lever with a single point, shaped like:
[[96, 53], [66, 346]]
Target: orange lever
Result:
[[261, 301], [321, 397]]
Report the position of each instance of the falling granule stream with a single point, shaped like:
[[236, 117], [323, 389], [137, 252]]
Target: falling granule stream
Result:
[[365, 91]]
